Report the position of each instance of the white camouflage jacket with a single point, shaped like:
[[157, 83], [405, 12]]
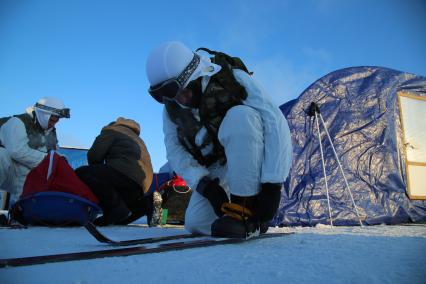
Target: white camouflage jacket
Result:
[[278, 151]]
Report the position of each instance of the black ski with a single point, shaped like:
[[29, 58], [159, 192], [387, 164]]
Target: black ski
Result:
[[104, 239], [154, 248]]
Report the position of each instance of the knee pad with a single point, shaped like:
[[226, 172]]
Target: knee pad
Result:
[[247, 119]]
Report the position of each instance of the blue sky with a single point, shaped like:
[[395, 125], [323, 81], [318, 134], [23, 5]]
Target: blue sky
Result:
[[92, 53]]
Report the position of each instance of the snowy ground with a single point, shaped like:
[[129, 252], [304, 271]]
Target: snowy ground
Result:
[[379, 254]]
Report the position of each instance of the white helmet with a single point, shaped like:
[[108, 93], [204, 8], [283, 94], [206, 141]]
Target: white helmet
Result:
[[47, 106], [176, 62]]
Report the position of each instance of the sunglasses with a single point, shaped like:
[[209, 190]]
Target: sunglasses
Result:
[[65, 112], [170, 88]]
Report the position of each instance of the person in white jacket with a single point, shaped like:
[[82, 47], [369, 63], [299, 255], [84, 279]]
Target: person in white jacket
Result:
[[25, 139], [224, 136]]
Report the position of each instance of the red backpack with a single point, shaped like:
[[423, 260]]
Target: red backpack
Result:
[[55, 174], [53, 195]]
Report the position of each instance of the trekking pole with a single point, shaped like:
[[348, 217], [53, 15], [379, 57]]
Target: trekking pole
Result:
[[340, 166], [314, 109]]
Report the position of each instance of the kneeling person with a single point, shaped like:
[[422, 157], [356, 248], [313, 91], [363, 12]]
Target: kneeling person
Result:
[[25, 140], [224, 136], [119, 173]]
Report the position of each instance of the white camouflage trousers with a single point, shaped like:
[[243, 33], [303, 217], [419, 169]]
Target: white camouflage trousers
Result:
[[12, 175]]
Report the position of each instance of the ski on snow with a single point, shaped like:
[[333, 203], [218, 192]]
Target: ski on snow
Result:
[[151, 247], [104, 239]]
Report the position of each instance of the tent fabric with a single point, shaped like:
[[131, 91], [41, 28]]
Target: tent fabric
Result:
[[360, 108], [158, 180], [76, 157]]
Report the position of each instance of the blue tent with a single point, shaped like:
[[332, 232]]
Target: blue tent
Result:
[[76, 157], [360, 110]]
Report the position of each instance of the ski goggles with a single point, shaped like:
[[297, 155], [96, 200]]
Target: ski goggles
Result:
[[170, 88], [63, 113]]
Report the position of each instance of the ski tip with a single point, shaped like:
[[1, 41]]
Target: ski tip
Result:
[[89, 224]]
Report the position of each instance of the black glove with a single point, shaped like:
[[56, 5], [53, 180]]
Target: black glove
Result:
[[214, 193], [268, 201]]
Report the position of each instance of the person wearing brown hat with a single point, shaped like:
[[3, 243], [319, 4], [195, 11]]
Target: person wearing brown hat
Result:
[[119, 173]]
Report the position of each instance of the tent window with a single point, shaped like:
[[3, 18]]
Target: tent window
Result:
[[413, 110]]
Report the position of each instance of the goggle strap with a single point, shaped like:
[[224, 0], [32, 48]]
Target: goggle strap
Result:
[[155, 91], [189, 69], [65, 112]]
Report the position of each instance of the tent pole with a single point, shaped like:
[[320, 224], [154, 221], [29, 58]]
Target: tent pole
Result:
[[323, 170], [340, 167]]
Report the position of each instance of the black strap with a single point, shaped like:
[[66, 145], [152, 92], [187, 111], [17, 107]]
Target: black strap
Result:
[[207, 50]]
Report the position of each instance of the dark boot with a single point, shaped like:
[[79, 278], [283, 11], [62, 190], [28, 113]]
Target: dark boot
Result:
[[3, 220], [239, 220], [140, 207], [114, 215]]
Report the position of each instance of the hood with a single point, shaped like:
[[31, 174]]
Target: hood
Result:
[[129, 123]]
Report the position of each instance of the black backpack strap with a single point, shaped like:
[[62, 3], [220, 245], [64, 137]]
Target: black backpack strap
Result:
[[231, 61], [211, 52], [226, 76]]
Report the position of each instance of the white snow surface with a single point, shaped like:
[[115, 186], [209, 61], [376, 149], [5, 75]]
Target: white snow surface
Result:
[[375, 254]]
